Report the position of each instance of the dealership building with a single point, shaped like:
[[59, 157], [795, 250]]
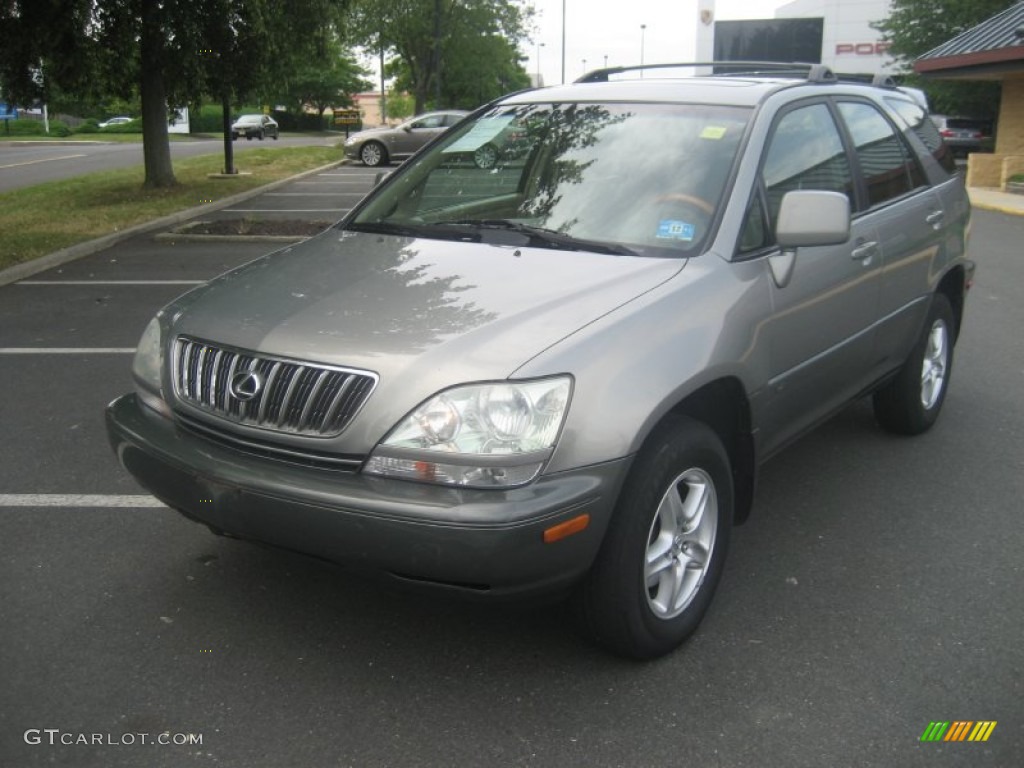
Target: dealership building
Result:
[[837, 33]]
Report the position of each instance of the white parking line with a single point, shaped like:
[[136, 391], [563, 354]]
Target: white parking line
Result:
[[334, 183], [369, 176], [110, 282], [305, 194], [76, 500], [43, 160], [67, 350]]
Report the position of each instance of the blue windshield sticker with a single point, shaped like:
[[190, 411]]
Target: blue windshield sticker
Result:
[[671, 229]]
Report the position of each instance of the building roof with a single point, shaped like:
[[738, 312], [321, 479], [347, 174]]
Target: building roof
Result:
[[990, 49]]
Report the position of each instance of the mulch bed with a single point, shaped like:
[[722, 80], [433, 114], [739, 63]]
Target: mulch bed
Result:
[[281, 227]]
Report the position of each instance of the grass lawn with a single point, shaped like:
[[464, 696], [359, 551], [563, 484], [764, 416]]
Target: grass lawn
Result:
[[47, 217]]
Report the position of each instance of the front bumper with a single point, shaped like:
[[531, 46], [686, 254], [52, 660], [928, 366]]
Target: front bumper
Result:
[[484, 542]]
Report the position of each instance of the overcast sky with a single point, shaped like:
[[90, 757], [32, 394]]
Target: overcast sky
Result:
[[598, 28]]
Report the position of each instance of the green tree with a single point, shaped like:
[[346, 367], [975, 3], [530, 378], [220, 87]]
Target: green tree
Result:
[[915, 27], [325, 81], [435, 39], [172, 52]]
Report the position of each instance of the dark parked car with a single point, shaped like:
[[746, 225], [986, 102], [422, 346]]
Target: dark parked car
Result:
[[379, 146], [560, 372], [254, 127], [965, 134]]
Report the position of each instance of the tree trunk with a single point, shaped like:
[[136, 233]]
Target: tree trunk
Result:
[[156, 151]]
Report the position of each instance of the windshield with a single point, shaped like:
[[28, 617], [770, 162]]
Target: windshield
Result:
[[623, 178]]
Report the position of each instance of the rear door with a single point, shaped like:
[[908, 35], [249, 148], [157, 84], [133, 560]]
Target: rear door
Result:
[[909, 219]]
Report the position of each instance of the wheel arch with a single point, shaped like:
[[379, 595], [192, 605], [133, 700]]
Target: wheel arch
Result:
[[953, 286], [722, 405]]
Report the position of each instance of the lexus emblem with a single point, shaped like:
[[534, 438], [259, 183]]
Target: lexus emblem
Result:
[[245, 385]]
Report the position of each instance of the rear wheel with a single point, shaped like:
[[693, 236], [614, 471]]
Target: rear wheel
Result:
[[663, 553], [373, 154], [910, 403]]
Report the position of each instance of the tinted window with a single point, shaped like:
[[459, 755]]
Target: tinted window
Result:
[[916, 120], [805, 152], [885, 163]]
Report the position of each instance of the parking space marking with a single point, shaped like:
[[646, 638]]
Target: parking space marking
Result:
[[304, 194], [349, 183], [110, 282], [43, 160], [369, 176], [67, 350], [77, 500]]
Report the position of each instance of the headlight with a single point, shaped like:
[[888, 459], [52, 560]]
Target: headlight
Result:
[[477, 436], [351, 140], [147, 365]]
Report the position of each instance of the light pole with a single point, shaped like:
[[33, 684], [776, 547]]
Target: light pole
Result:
[[539, 46], [584, 66], [643, 31], [606, 61], [563, 42]]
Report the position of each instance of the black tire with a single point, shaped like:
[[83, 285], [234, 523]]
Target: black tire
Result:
[[629, 607], [373, 154], [260, 135], [911, 402], [248, 137]]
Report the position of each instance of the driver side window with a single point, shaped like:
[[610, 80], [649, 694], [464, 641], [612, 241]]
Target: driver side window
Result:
[[804, 151]]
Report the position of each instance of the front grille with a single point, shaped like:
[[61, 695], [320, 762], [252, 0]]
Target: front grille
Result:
[[288, 396]]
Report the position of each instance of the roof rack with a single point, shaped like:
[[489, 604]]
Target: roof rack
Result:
[[815, 73]]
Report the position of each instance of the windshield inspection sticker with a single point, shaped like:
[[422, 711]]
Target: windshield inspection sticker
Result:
[[670, 229], [713, 132]]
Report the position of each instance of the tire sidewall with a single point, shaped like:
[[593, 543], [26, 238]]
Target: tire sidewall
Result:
[[615, 597]]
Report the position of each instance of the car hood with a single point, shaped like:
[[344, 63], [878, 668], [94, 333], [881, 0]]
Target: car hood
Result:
[[422, 314]]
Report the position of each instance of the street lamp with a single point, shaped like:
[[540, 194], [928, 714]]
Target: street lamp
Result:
[[563, 42], [584, 66], [643, 31], [606, 61], [539, 46]]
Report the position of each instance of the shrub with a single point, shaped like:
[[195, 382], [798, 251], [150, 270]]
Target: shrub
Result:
[[89, 126]]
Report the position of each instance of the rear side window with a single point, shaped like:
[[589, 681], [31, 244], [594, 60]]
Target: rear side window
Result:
[[916, 119], [888, 168]]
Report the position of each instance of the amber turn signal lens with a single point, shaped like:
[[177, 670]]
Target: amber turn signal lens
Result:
[[568, 528]]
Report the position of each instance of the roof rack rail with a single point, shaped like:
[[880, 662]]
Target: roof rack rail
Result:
[[815, 73], [879, 79]]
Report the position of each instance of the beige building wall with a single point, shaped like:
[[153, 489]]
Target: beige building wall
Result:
[[994, 170]]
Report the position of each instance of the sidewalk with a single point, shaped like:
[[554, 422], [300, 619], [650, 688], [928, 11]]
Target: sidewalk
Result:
[[991, 199]]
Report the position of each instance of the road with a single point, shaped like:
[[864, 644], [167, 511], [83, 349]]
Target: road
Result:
[[23, 164], [876, 587]]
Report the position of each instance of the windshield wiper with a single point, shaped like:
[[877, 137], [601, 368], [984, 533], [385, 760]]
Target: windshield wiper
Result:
[[549, 237]]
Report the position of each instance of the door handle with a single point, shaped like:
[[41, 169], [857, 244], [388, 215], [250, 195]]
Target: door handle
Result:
[[935, 218], [864, 251]]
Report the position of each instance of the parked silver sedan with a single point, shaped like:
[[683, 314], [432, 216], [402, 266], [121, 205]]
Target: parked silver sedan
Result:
[[379, 146]]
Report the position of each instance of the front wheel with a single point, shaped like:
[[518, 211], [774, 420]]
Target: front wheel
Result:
[[373, 154], [260, 135], [485, 157], [663, 553], [910, 403]]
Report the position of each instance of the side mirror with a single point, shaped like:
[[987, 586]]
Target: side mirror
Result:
[[379, 177], [813, 217], [407, 128], [807, 217]]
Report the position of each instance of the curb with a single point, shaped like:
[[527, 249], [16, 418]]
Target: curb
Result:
[[77, 251]]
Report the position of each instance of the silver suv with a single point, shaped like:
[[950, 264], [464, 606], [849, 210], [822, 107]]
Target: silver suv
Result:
[[561, 368]]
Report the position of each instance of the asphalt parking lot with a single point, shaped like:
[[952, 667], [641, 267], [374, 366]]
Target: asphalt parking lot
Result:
[[876, 588]]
